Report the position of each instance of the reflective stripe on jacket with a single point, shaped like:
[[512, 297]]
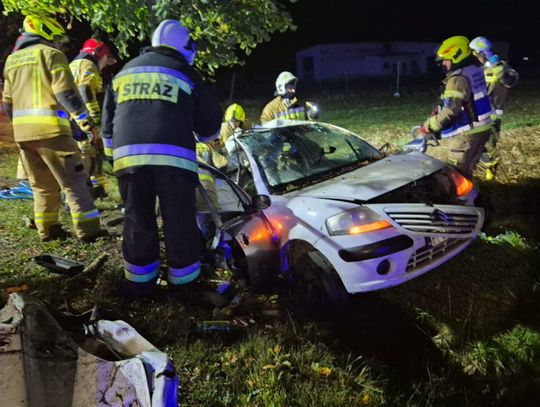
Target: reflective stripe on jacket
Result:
[[204, 155], [32, 78], [466, 108], [86, 73], [155, 105], [277, 109]]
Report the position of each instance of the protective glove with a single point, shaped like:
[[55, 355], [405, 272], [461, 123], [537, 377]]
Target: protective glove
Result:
[[422, 131], [85, 125]]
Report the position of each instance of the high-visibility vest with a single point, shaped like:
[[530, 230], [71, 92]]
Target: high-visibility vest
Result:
[[477, 118]]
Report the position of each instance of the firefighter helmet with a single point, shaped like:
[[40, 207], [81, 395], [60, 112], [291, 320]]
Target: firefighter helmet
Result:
[[285, 78], [481, 46], [45, 27], [235, 112], [97, 48], [172, 34], [455, 49]]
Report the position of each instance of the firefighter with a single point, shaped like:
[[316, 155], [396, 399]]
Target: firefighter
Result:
[[216, 155], [234, 118], [499, 78], [286, 105], [463, 119], [158, 101], [40, 96], [86, 68]]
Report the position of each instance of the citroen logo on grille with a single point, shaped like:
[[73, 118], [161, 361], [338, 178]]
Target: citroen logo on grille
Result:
[[437, 214]]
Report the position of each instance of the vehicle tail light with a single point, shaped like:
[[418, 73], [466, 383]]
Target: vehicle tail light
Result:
[[462, 184]]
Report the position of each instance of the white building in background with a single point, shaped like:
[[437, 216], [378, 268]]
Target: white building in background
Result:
[[368, 59], [332, 61]]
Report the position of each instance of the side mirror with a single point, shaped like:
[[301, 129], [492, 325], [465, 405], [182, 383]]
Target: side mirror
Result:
[[259, 202]]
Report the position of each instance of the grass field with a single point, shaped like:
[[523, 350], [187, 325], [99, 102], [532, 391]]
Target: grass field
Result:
[[467, 333]]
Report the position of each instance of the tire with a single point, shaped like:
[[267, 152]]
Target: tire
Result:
[[318, 285], [483, 200]]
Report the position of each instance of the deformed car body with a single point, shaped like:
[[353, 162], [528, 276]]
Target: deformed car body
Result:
[[340, 208]]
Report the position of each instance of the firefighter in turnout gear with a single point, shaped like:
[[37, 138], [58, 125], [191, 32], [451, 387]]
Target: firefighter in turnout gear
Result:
[[40, 96], [463, 119], [215, 154], [285, 105], [499, 78], [86, 69], [155, 105], [233, 120]]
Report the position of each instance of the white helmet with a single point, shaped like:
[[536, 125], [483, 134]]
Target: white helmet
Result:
[[483, 47], [172, 34], [283, 79]]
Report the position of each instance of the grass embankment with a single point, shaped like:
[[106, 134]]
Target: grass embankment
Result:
[[466, 333]]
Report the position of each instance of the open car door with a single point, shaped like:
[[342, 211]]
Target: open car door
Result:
[[240, 222]]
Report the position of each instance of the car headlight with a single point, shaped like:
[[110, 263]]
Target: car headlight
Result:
[[355, 221]]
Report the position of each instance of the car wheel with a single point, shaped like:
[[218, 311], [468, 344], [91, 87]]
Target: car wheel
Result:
[[317, 284], [484, 201]]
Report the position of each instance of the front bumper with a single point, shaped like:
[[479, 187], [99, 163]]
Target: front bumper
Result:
[[414, 246]]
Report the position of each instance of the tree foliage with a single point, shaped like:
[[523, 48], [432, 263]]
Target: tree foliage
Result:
[[224, 29]]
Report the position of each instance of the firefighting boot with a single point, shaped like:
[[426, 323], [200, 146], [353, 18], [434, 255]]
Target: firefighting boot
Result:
[[131, 290], [198, 293], [90, 239], [56, 232]]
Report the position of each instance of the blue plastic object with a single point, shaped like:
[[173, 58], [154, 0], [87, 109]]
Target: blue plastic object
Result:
[[22, 191], [418, 144], [223, 287]]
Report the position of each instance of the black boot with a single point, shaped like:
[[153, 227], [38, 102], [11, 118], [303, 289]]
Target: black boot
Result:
[[131, 290], [55, 233]]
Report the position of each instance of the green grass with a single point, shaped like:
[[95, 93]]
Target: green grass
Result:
[[466, 333]]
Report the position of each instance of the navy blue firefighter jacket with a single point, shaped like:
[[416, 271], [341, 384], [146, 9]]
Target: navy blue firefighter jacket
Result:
[[155, 106]]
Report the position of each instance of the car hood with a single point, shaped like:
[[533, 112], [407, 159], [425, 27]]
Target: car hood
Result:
[[375, 179]]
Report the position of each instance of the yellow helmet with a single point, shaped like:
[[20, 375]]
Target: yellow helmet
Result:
[[455, 49], [236, 112], [45, 27]]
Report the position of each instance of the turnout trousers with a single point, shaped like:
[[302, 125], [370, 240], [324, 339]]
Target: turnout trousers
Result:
[[175, 189], [52, 165], [465, 150]]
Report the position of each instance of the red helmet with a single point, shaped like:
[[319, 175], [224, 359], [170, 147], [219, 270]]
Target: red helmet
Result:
[[95, 47]]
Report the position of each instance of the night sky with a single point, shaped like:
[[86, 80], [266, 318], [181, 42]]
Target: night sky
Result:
[[517, 22]]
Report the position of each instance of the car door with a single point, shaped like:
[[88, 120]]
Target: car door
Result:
[[240, 218]]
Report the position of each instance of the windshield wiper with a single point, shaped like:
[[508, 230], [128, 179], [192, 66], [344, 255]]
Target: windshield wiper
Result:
[[353, 149]]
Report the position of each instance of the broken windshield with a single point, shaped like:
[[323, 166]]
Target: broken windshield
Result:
[[290, 157]]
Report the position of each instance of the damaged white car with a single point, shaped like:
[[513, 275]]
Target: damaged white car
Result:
[[343, 216]]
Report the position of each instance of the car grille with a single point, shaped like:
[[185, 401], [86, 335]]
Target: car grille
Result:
[[435, 221], [432, 251]]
